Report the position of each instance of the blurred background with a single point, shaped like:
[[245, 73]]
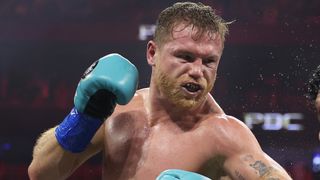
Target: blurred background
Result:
[[46, 45]]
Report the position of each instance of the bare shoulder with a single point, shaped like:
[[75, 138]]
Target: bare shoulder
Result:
[[227, 123], [125, 127], [231, 133], [126, 118], [245, 158]]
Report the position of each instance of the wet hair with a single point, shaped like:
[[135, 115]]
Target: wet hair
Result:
[[200, 16], [313, 84]]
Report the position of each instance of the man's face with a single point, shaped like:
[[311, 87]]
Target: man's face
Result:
[[185, 68], [317, 103]]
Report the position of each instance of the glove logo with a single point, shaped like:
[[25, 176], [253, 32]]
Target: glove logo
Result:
[[89, 70]]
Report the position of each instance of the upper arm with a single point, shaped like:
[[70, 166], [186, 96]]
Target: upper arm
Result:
[[254, 166], [248, 161]]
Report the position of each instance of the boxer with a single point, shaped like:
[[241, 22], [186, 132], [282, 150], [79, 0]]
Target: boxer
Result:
[[313, 90], [172, 130]]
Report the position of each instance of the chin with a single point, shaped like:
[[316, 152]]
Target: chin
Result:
[[188, 104]]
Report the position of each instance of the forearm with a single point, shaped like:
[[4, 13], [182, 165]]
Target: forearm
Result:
[[51, 161]]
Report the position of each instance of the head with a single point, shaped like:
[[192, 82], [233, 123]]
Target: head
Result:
[[313, 86], [185, 53], [202, 18]]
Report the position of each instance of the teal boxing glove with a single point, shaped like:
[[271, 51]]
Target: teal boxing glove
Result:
[[177, 174], [113, 73], [110, 80]]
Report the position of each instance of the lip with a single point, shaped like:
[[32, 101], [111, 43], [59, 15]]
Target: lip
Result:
[[191, 94], [201, 87]]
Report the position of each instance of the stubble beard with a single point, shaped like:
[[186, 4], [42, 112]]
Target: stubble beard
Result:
[[171, 89]]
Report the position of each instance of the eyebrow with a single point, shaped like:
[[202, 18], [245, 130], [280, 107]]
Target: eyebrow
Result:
[[184, 51]]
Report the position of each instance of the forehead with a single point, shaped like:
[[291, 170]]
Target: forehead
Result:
[[187, 36]]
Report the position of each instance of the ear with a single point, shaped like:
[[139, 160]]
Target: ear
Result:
[[151, 52]]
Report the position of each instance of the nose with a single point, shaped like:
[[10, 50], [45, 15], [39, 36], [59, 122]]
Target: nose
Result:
[[196, 69]]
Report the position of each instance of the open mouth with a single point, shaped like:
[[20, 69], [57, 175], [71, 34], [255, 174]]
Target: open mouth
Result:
[[192, 87]]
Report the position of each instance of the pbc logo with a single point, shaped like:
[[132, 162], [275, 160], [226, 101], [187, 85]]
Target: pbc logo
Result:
[[90, 69], [274, 121]]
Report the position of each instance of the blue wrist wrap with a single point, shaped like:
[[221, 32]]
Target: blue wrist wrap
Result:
[[76, 131]]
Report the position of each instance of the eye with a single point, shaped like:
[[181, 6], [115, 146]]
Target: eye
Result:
[[209, 61], [186, 57]]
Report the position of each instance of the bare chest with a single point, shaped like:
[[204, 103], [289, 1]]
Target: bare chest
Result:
[[146, 153]]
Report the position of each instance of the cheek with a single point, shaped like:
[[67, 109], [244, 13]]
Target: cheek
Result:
[[174, 69], [211, 76]]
